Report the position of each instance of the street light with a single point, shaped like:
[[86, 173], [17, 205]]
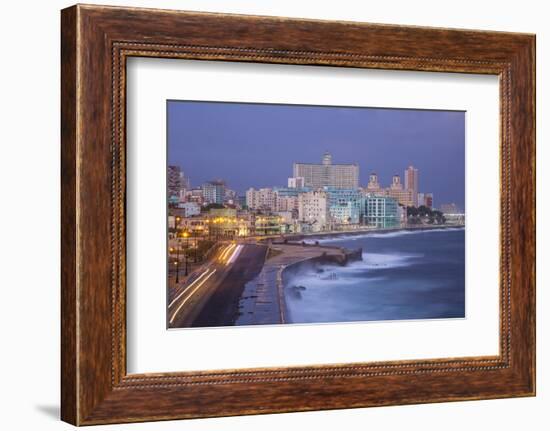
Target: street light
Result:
[[185, 234], [177, 263], [195, 245]]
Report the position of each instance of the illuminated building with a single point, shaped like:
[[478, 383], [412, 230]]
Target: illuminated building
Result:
[[327, 174]]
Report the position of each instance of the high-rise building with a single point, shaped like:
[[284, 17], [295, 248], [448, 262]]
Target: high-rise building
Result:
[[411, 183], [341, 196], [396, 191], [373, 185], [344, 205], [287, 203], [381, 211], [346, 213], [214, 192], [263, 199], [175, 182], [286, 198], [296, 182], [327, 174], [250, 197], [230, 196], [194, 195], [404, 197], [313, 208], [396, 183]]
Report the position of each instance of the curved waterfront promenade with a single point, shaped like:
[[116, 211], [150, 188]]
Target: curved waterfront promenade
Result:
[[263, 299]]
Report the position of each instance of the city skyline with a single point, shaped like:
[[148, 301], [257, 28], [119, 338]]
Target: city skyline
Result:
[[249, 132]]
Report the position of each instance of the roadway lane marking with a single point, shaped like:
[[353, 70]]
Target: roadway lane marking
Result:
[[234, 255], [187, 288], [191, 294]]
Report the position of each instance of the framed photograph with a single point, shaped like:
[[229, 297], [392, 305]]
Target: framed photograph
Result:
[[319, 242], [264, 215]]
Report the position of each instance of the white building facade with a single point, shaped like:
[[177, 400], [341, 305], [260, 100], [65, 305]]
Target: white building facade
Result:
[[296, 182], [327, 174], [263, 199], [313, 208]]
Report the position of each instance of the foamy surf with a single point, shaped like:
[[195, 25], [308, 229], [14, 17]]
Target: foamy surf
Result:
[[403, 275]]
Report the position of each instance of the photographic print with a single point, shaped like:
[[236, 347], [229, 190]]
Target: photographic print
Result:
[[300, 214]]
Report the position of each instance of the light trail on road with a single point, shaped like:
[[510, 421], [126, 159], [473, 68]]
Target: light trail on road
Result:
[[187, 288], [226, 252], [234, 256], [191, 294]]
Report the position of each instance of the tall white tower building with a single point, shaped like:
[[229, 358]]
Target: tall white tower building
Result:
[[327, 174]]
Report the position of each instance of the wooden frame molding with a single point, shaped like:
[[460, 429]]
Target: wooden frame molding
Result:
[[95, 43]]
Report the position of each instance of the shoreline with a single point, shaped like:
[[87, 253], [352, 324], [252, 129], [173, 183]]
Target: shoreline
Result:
[[295, 268], [335, 234]]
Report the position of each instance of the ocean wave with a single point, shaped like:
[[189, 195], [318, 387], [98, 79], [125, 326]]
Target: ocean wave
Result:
[[311, 281], [348, 273], [353, 273], [383, 260], [378, 261]]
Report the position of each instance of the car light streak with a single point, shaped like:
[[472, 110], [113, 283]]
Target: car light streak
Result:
[[236, 253], [222, 251], [187, 288], [226, 252], [191, 294]]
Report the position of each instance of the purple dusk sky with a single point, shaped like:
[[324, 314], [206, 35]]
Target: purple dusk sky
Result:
[[254, 145]]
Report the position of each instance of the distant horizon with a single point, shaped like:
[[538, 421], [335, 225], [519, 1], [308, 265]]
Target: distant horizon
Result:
[[255, 145]]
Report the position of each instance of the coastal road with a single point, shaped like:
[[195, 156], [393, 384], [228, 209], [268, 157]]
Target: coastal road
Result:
[[211, 296]]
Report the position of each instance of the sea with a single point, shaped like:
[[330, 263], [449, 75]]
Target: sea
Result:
[[409, 274]]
